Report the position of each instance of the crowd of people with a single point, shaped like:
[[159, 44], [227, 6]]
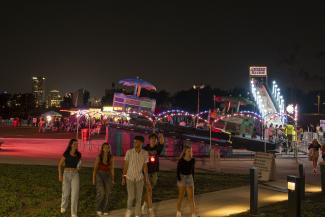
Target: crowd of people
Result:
[[288, 134], [69, 124], [140, 176]]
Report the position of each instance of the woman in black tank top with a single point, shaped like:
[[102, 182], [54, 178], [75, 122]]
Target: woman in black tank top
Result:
[[71, 160]]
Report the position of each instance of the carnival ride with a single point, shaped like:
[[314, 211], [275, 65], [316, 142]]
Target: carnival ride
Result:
[[225, 126], [135, 102]]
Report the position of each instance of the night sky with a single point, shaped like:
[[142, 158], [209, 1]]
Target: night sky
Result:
[[173, 46]]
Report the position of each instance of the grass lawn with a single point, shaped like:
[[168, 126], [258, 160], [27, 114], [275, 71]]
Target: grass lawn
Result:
[[34, 191], [313, 206]]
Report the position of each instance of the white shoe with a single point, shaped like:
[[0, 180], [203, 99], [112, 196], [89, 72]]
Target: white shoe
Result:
[[63, 210], [99, 213], [151, 213], [144, 208], [178, 214], [105, 213], [128, 213]]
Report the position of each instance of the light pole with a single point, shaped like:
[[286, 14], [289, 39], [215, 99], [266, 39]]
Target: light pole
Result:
[[198, 88], [77, 134], [318, 103]]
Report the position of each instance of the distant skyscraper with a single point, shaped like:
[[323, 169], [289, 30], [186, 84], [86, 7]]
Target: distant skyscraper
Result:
[[54, 99], [38, 90]]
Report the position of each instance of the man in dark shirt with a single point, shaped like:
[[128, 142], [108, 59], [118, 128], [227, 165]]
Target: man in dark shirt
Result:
[[154, 149]]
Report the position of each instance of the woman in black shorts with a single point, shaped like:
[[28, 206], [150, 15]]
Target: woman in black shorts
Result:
[[185, 174]]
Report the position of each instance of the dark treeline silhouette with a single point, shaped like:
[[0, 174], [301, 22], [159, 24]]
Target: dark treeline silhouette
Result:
[[23, 105]]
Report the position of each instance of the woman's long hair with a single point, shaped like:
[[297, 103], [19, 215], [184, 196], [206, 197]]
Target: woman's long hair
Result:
[[315, 142], [183, 152], [109, 153], [68, 149]]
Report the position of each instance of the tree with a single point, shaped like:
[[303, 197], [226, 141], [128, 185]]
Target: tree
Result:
[[67, 101], [86, 96]]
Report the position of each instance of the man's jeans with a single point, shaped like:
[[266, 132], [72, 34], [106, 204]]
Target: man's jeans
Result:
[[70, 184], [135, 189]]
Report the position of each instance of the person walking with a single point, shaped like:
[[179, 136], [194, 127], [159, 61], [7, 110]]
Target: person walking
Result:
[[135, 173], [314, 154], [289, 132], [154, 149], [323, 151], [71, 160], [270, 132], [103, 178], [185, 177]]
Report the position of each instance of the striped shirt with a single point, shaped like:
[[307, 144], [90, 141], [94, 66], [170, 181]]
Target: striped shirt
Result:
[[136, 161]]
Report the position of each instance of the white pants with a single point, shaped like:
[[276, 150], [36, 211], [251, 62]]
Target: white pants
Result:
[[70, 185]]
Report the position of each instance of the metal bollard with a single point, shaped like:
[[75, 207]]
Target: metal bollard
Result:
[[294, 196], [302, 176], [322, 173], [253, 191]]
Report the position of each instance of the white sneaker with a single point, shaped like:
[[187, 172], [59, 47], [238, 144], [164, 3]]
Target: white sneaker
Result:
[[105, 213], [128, 213], [99, 213], [151, 213], [178, 214], [63, 210], [144, 208]]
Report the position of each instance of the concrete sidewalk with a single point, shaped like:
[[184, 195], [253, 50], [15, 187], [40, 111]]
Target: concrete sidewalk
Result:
[[221, 203]]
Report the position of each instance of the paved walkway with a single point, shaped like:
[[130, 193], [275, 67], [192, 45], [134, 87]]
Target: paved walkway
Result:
[[221, 203], [48, 152]]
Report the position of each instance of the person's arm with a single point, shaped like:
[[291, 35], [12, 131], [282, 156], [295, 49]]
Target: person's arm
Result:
[[179, 170], [145, 169], [95, 170], [79, 163], [193, 167], [161, 144], [146, 177], [145, 172], [60, 165], [125, 170]]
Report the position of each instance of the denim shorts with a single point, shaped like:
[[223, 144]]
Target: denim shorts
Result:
[[186, 181]]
